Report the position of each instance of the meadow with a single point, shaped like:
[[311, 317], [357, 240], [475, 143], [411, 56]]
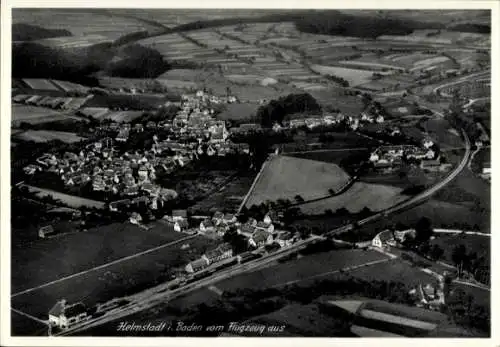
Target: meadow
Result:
[[42, 136], [286, 177], [376, 197]]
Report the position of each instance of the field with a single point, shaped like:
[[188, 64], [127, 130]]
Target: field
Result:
[[238, 112], [473, 243], [331, 156], [86, 249], [334, 98], [441, 213], [70, 200], [353, 76], [307, 269], [48, 135], [227, 198], [441, 131], [471, 192], [395, 270], [81, 23], [35, 115], [374, 196], [117, 279], [286, 177], [40, 84]]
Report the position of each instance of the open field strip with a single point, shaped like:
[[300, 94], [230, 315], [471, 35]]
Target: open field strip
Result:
[[30, 316], [48, 135], [323, 274], [70, 200], [103, 266]]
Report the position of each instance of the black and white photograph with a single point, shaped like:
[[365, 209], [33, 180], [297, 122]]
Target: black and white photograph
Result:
[[218, 172]]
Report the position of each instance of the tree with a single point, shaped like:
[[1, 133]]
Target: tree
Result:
[[459, 257], [423, 230], [424, 248], [436, 252]]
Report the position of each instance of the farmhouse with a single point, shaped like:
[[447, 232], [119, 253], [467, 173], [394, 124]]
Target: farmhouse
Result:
[[246, 230], [135, 218], [178, 215], [207, 226], [220, 253], [264, 226], [46, 231], [284, 239], [181, 225], [260, 238], [197, 265], [382, 239], [65, 316]]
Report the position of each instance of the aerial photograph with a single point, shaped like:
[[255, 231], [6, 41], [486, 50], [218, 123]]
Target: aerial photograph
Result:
[[250, 173]]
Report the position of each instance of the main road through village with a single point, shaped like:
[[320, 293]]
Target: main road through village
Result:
[[161, 294]]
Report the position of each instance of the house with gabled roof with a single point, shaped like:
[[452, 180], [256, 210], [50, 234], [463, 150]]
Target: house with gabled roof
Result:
[[46, 231], [64, 316], [207, 226], [260, 238], [197, 265], [220, 253], [265, 227]]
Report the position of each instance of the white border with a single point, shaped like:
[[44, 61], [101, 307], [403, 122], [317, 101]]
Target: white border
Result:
[[7, 340]]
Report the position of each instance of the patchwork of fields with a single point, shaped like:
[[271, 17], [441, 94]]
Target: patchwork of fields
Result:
[[36, 115], [103, 25], [48, 135], [286, 177]]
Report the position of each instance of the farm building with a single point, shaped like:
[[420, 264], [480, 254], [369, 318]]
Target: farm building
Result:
[[65, 316], [46, 231], [197, 265]]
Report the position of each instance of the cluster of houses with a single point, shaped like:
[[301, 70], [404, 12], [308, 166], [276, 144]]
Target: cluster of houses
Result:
[[391, 238], [386, 158], [56, 103], [63, 315], [429, 296], [319, 120], [220, 253]]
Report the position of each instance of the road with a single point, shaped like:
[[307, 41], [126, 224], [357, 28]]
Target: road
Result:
[[160, 294]]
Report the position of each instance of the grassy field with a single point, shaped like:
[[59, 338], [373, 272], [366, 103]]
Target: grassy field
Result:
[[395, 270], [34, 115], [334, 156], [70, 200], [81, 251], [286, 177], [48, 135], [117, 280], [374, 196], [470, 192], [238, 112], [24, 326], [353, 76], [302, 271]]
